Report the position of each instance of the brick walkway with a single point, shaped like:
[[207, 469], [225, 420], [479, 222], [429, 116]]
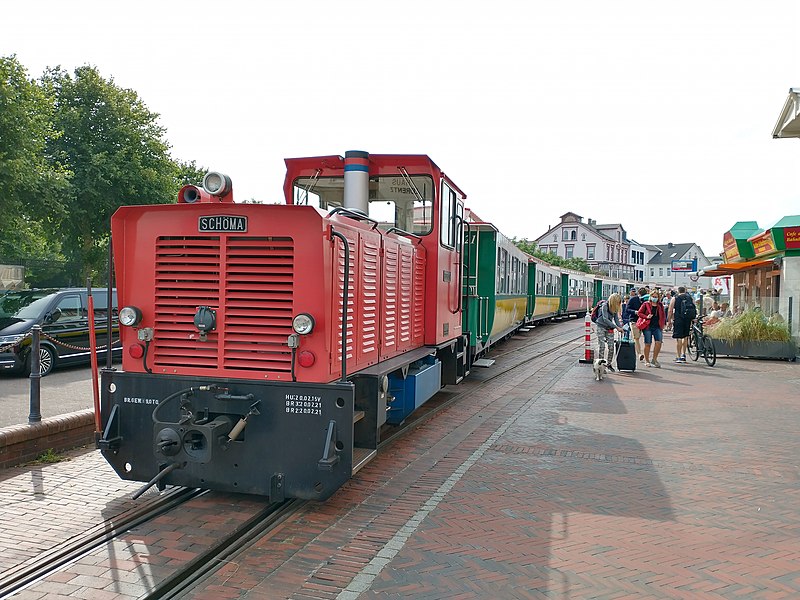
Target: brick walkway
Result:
[[679, 482]]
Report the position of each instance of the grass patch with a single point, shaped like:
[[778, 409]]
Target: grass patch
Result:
[[48, 457]]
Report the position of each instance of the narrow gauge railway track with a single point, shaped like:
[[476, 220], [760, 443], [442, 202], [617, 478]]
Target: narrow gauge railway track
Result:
[[54, 559], [206, 563]]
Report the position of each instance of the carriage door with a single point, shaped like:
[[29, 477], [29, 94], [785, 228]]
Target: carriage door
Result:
[[451, 247]]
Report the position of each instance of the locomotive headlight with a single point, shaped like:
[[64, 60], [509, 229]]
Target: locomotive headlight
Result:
[[130, 316], [303, 324], [216, 184]]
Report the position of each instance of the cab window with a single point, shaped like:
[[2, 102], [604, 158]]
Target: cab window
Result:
[[394, 200]]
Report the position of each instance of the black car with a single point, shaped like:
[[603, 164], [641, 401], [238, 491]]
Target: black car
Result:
[[63, 316]]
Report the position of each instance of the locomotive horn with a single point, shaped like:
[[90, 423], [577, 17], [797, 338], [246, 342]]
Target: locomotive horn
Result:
[[189, 194]]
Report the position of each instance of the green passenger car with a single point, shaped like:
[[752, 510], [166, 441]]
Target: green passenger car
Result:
[[496, 280]]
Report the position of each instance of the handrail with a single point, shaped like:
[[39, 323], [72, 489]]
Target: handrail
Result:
[[403, 232], [353, 214], [345, 298]]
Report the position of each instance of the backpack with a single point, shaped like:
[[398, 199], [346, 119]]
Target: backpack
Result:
[[689, 310], [596, 311]]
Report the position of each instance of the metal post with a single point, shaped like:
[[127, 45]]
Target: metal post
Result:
[[35, 414]]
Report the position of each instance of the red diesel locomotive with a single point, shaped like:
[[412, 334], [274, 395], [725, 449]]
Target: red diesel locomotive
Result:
[[264, 346]]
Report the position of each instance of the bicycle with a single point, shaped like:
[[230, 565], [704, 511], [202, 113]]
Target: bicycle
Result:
[[701, 343]]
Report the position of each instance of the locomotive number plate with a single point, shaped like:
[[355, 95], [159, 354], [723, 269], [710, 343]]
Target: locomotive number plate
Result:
[[222, 223]]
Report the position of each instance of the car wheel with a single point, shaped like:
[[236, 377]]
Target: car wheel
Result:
[[47, 360]]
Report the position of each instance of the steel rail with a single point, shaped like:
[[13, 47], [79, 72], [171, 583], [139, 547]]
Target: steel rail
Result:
[[52, 560], [188, 576]]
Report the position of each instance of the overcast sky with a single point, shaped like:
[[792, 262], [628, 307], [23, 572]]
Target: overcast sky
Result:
[[655, 115]]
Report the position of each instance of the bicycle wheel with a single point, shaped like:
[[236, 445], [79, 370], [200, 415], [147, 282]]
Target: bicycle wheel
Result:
[[709, 352], [694, 346]]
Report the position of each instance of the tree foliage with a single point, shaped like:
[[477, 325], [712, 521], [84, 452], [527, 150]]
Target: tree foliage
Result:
[[190, 174], [31, 180], [116, 153], [576, 264]]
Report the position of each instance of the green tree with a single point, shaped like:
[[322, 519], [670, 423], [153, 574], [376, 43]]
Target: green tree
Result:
[[190, 174], [116, 152], [31, 181], [576, 264]]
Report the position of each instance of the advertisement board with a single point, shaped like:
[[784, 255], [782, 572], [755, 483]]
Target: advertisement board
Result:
[[686, 266]]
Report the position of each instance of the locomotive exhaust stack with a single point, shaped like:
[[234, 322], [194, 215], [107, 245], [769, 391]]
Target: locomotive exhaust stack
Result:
[[356, 180]]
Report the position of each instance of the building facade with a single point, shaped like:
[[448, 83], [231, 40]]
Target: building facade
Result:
[[608, 250]]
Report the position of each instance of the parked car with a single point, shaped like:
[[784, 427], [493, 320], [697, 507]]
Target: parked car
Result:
[[64, 318]]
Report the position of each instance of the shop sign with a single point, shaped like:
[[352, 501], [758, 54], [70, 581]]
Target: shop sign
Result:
[[684, 265], [763, 244], [723, 284], [791, 237], [729, 249]]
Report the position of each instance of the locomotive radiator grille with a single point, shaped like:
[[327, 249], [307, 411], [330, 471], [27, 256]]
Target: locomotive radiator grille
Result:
[[187, 276], [369, 297], [406, 291], [390, 299], [247, 280], [418, 329], [259, 304]]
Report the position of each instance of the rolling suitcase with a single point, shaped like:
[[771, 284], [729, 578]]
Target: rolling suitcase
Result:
[[625, 355]]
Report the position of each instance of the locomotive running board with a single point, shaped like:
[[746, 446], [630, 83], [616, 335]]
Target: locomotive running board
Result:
[[361, 456]]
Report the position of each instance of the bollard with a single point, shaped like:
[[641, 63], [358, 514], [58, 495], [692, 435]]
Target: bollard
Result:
[[35, 414], [588, 353]]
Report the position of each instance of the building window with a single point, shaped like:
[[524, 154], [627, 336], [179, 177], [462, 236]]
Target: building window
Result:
[[583, 237], [590, 252], [652, 272], [555, 237], [570, 249], [660, 271]]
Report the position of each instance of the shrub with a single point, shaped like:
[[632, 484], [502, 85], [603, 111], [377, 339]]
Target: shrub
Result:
[[751, 326]]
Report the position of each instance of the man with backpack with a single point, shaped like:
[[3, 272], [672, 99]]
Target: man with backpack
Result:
[[682, 311]]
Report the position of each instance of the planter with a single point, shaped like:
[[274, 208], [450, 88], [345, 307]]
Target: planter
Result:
[[779, 350]]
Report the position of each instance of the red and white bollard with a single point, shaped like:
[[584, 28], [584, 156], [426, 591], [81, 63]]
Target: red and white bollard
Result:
[[588, 352]]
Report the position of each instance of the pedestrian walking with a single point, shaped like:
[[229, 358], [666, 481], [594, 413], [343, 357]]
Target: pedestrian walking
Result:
[[677, 315], [634, 304], [607, 323], [653, 316]]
